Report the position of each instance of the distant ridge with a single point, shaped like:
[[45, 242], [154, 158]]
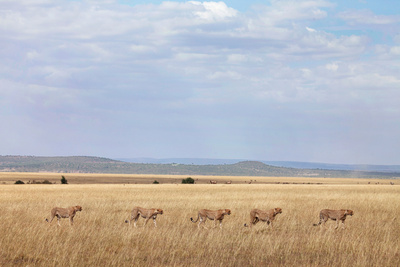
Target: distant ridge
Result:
[[195, 161], [84, 164], [287, 164]]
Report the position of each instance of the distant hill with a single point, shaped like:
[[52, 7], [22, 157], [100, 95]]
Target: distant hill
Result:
[[52, 164], [82, 164], [328, 166], [288, 164], [193, 161]]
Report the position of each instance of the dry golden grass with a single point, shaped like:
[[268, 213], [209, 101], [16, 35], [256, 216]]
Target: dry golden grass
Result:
[[100, 237]]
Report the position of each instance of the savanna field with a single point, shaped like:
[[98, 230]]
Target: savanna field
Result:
[[99, 236]]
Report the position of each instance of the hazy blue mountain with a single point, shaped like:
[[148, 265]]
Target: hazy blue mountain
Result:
[[287, 164], [194, 161], [81, 164]]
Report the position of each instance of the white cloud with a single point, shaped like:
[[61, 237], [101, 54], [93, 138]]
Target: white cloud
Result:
[[33, 54], [396, 38], [231, 75], [395, 50], [368, 17], [237, 58], [82, 39], [310, 29], [142, 48], [214, 11], [289, 10], [183, 63], [332, 66]]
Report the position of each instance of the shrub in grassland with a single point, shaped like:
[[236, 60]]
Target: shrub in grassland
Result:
[[188, 180], [63, 180]]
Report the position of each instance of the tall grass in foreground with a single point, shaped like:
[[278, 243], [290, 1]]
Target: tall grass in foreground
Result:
[[100, 237]]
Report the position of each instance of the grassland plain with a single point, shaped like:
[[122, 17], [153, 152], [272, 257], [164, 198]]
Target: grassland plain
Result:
[[95, 178], [100, 237]]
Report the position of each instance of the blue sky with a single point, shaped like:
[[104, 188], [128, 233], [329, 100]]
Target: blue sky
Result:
[[312, 80]]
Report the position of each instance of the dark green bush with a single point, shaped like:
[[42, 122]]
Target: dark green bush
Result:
[[63, 180], [155, 182], [40, 182], [188, 180], [19, 182]]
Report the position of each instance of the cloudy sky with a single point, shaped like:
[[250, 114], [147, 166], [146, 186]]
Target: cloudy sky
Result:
[[294, 80]]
